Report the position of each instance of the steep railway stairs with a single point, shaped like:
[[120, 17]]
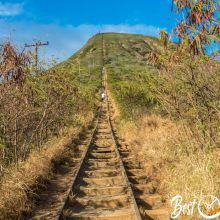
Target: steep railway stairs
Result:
[[106, 183]]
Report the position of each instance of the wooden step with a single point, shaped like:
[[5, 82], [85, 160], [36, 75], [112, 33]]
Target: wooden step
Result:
[[160, 214]]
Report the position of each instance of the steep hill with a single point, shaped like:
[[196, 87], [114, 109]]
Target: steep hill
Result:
[[125, 57], [172, 152], [129, 75]]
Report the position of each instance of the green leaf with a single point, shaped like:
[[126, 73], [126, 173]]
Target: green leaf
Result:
[[2, 146]]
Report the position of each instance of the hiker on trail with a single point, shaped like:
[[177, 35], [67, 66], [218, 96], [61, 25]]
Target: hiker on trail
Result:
[[102, 96]]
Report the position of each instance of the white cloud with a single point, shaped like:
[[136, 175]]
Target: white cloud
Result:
[[10, 9], [65, 40]]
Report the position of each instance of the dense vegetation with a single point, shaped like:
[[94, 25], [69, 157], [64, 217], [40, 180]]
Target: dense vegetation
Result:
[[183, 91], [36, 105], [129, 72], [177, 85], [190, 75]]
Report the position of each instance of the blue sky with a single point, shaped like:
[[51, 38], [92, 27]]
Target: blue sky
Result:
[[68, 24]]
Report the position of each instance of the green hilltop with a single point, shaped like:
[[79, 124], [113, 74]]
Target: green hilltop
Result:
[[125, 58]]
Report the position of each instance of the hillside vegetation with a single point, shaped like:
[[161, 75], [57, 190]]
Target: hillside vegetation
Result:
[[170, 120], [169, 117], [41, 112], [129, 72], [37, 106]]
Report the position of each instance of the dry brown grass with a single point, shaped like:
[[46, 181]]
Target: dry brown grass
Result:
[[17, 184], [161, 146]]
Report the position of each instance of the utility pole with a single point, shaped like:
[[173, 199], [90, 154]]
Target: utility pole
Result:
[[36, 45]]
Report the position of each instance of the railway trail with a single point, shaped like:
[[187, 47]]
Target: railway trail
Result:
[[102, 179], [101, 189], [104, 182]]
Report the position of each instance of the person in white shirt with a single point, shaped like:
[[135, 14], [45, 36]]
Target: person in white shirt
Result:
[[103, 96]]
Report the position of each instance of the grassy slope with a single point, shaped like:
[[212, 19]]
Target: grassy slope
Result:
[[85, 69], [152, 137], [129, 72]]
